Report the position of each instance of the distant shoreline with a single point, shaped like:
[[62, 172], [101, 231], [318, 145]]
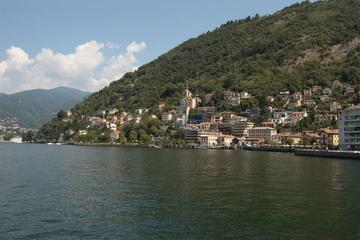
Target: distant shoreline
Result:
[[334, 154]]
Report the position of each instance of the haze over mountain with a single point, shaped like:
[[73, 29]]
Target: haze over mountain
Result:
[[35, 107]]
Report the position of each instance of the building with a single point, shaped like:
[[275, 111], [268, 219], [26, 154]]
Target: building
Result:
[[296, 117], [329, 138], [245, 95], [294, 104], [162, 106], [284, 93], [307, 93], [188, 102], [82, 132], [235, 119], [279, 117], [309, 103], [207, 110], [112, 126], [181, 119], [113, 111], [270, 99], [16, 139], [209, 139], [285, 137], [327, 117], [297, 96], [141, 111], [349, 90], [253, 112], [337, 83], [349, 128], [325, 98], [241, 129], [327, 91], [216, 118], [192, 135], [234, 101], [228, 95], [228, 115], [208, 98], [268, 124], [316, 89], [335, 106], [265, 133]]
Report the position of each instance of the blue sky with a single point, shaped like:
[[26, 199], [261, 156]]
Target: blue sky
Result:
[[155, 26]]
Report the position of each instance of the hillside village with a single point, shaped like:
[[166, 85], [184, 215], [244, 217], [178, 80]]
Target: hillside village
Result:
[[307, 118]]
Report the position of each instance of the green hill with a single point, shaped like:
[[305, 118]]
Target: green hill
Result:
[[35, 107], [301, 45]]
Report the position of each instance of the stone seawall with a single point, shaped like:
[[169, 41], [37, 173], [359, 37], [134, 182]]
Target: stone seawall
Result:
[[328, 154]]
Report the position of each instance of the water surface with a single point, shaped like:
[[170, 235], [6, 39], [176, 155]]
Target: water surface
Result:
[[69, 192]]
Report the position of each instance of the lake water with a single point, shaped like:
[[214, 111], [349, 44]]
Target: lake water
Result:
[[69, 192]]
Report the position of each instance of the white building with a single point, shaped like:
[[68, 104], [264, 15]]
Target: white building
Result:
[[141, 110], [349, 128], [265, 133], [166, 117], [16, 139], [279, 117], [244, 95]]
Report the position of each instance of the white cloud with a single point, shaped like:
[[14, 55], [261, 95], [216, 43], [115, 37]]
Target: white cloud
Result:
[[85, 69], [135, 47]]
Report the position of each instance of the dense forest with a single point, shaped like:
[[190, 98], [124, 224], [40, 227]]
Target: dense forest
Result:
[[304, 44]]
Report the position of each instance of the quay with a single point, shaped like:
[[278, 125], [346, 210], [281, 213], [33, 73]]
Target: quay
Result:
[[328, 153]]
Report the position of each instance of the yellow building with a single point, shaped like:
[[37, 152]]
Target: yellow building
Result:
[[329, 138]]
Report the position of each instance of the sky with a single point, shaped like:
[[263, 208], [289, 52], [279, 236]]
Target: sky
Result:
[[86, 44]]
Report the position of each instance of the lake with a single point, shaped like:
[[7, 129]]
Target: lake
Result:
[[70, 192]]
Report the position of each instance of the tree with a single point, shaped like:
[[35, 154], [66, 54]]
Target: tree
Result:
[[104, 137], [289, 141], [122, 139], [8, 137], [133, 136], [28, 137], [145, 138], [154, 130], [61, 115]]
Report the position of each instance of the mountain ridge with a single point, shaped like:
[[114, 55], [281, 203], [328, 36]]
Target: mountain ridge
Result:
[[251, 54], [245, 54], [32, 108]]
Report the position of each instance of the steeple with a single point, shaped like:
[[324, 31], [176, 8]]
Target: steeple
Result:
[[188, 94]]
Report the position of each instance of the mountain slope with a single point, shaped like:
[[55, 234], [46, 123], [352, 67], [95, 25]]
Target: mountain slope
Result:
[[301, 45], [35, 107]]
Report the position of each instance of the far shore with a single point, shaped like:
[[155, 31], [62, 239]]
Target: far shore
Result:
[[297, 150]]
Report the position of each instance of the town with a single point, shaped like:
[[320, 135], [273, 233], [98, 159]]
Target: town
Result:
[[314, 117]]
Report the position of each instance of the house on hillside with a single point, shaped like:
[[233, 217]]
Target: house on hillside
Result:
[[335, 106], [329, 138], [307, 93]]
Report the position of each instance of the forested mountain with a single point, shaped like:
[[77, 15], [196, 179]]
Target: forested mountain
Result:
[[301, 45], [35, 107]]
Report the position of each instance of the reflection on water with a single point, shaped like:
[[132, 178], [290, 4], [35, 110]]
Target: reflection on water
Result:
[[62, 192]]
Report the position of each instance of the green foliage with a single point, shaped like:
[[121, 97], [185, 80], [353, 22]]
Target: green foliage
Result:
[[7, 137], [308, 140], [28, 137], [289, 50], [289, 141], [133, 136], [246, 54]]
